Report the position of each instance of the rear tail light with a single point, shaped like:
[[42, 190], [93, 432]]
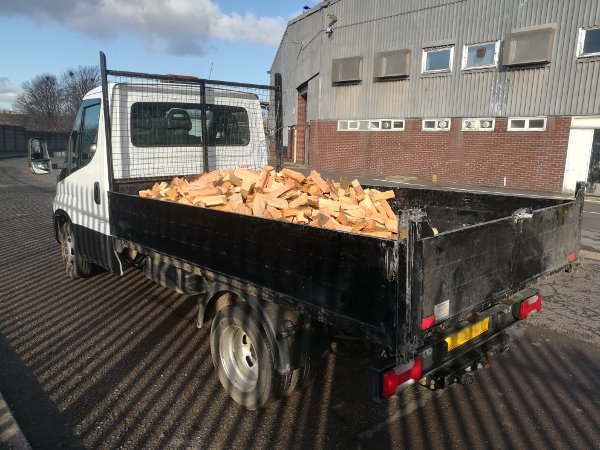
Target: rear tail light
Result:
[[530, 305], [409, 373], [428, 322]]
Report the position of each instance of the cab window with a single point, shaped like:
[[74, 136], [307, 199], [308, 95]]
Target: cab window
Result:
[[170, 124], [83, 140]]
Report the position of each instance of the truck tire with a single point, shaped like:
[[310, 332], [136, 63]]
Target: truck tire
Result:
[[243, 358], [76, 266]]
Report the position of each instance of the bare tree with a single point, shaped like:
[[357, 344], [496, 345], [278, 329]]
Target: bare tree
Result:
[[41, 99], [74, 84], [52, 104]]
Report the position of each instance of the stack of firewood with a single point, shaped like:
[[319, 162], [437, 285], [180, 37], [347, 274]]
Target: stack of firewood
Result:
[[286, 195]]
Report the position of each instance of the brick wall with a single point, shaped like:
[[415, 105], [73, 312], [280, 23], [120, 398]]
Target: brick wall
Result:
[[528, 160]]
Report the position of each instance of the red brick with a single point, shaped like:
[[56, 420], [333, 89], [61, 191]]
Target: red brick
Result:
[[530, 160]]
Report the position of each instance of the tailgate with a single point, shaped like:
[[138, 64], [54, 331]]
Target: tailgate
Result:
[[469, 269]]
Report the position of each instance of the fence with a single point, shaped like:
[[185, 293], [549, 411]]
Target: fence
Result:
[[13, 139]]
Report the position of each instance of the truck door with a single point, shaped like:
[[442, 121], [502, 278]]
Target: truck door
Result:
[[82, 187]]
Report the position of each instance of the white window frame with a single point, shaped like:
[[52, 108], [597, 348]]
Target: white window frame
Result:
[[339, 124], [392, 121], [527, 127], [355, 122], [479, 128], [437, 49], [374, 125], [369, 126], [436, 124], [487, 66], [398, 129], [581, 42]]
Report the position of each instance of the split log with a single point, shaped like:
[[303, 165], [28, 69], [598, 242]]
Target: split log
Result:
[[320, 182], [286, 195], [296, 176]]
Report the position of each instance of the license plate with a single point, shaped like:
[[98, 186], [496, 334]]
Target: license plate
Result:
[[467, 334]]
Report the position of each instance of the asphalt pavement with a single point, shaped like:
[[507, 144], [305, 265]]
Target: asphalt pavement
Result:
[[111, 362]]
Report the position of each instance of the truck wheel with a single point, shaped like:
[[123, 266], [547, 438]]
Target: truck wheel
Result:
[[242, 356], [75, 265]]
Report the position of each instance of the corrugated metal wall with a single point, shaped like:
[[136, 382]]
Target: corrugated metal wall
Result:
[[567, 86]]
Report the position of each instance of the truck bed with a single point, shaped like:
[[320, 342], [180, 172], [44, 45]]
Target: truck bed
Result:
[[377, 288], [484, 252]]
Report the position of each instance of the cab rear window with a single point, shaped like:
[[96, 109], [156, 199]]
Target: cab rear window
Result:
[[166, 124]]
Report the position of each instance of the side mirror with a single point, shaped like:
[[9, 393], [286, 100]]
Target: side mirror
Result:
[[37, 156]]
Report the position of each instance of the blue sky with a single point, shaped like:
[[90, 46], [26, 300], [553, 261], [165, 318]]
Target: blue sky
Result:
[[238, 37]]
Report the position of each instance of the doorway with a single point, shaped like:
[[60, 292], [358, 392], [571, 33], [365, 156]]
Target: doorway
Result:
[[583, 155], [306, 130], [593, 179], [300, 155]]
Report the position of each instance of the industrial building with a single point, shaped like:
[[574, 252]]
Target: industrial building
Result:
[[481, 92]]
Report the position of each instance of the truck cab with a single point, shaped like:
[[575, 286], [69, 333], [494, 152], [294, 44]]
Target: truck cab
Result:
[[156, 131]]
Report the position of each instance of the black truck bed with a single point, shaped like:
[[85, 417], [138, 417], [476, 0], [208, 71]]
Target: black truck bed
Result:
[[377, 288]]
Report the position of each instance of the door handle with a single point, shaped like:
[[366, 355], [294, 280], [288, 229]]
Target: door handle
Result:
[[97, 192]]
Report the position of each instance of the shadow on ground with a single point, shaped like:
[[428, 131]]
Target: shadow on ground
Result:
[[113, 362]]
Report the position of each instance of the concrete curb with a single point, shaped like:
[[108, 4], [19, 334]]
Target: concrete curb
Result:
[[10, 432], [594, 256]]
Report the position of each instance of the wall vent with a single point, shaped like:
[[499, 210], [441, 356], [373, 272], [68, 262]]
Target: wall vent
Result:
[[392, 64], [478, 124], [436, 124], [346, 70], [529, 47]]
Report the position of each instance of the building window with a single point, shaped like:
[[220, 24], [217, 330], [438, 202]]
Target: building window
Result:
[[398, 125], [480, 56], [353, 125], [436, 125], [478, 124], [588, 43], [371, 125], [438, 59], [527, 124], [386, 125]]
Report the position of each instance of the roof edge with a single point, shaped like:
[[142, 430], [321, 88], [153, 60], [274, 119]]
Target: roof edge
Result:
[[309, 12]]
